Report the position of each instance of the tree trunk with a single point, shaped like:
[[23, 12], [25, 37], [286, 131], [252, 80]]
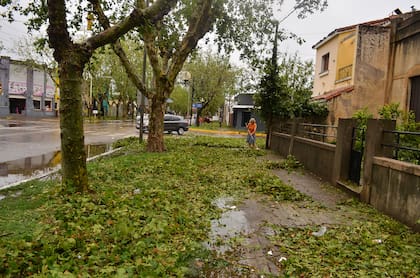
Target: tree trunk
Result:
[[197, 120], [155, 137], [74, 173]]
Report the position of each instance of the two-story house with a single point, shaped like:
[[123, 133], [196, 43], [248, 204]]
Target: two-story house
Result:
[[368, 65]]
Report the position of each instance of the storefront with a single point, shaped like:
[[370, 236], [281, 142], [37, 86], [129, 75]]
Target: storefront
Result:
[[30, 90]]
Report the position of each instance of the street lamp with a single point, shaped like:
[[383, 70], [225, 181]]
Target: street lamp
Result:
[[188, 81]]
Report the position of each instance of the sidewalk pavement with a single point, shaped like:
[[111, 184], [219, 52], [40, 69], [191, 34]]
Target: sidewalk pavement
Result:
[[256, 251]]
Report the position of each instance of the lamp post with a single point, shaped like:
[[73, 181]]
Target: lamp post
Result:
[[192, 98], [188, 81]]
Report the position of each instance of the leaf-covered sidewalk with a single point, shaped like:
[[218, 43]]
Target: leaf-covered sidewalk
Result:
[[161, 215], [327, 234]]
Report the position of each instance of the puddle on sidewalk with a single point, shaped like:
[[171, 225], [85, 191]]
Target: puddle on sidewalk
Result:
[[241, 239], [29, 167], [232, 223]]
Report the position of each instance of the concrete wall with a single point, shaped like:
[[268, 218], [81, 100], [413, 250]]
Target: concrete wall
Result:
[[372, 60], [340, 108], [406, 60], [317, 157], [391, 186], [280, 143], [395, 190]]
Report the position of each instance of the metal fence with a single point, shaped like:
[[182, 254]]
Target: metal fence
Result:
[[318, 132], [283, 127], [404, 144]]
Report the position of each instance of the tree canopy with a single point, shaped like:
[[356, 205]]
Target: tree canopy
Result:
[[286, 89], [214, 78], [243, 25]]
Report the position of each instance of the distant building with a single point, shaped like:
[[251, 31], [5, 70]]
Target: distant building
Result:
[[26, 89], [243, 110], [369, 65]]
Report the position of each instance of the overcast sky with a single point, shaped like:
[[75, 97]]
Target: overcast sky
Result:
[[340, 13]]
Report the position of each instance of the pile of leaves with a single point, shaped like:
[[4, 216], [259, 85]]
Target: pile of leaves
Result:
[[372, 246], [290, 164]]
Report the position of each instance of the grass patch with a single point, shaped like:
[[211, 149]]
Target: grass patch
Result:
[[19, 214], [214, 126], [290, 164], [378, 247], [147, 216]]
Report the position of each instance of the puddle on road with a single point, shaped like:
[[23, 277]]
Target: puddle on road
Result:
[[21, 169], [13, 124], [232, 223]]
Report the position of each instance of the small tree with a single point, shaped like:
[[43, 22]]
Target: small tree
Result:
[[298, 78], [213, 79], [180, 97]]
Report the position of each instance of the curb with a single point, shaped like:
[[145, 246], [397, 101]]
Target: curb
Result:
[[211, 131]]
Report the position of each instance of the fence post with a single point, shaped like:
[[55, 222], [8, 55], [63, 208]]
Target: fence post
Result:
[[293, 133], [343, 149], [373, 147]]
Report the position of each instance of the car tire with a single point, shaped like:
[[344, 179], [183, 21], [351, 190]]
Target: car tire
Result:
[[181, 131]]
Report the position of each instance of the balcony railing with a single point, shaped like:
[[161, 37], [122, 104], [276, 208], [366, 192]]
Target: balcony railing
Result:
[[345, 72]]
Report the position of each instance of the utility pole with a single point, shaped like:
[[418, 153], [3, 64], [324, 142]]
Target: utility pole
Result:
[[274, 72]]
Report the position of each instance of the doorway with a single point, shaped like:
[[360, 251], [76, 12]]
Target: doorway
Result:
[[17, 105], [415, 96]]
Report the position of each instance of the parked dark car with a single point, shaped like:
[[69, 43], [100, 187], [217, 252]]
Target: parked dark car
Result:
[[170, 123]]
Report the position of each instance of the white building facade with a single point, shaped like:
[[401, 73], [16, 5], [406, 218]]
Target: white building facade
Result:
[[26, 90]]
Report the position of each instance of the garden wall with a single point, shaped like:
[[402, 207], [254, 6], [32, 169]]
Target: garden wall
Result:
[[391, 186], [395, 190], [317, 157]]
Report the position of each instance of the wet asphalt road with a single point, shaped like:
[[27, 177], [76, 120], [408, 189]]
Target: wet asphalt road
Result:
[[20, 138]]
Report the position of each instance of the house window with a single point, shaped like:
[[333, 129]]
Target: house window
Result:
[[415, 96], [48, 105], [324, 63]]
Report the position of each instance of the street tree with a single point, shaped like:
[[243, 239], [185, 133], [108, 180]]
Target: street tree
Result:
[[272, 95], [214, 79], [244, 25], [64, 18], [181, 100], [109, 75], [297, 76]]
